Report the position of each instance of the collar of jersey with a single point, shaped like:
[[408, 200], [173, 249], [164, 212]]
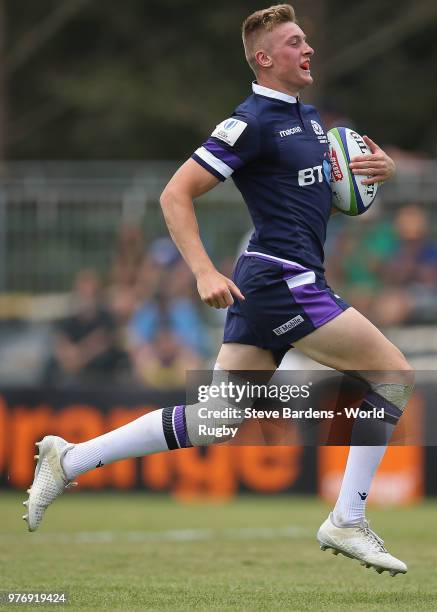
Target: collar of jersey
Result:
[[272, 93]]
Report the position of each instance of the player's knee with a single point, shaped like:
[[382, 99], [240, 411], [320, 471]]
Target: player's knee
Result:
[[404, 369], [409, 375], [212, 422], [403, 364], [219, 413], [396, 386]]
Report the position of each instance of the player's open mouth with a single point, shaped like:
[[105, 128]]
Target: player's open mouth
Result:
[[305, 65]]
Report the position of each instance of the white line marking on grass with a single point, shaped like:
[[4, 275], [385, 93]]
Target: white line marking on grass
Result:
[[172, 535]]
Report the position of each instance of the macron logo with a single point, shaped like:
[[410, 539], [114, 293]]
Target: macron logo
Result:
[[290, 131], [291, 324]]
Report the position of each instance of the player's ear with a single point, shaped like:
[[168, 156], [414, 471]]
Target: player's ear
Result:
[[262, 59]]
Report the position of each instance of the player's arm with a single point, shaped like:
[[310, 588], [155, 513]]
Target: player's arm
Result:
[[189, 182], [378, 165]]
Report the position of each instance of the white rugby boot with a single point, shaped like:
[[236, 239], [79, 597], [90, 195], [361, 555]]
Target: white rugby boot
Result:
[[49, 480], [361, 543]]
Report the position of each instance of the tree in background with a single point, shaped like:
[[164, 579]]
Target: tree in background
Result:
[[86, 80]]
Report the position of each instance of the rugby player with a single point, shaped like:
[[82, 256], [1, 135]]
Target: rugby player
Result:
[[276, 151]]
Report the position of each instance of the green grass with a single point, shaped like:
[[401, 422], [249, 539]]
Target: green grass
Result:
[[135, 552]]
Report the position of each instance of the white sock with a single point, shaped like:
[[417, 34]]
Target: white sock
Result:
[[363, 460], [141, 437], [362, 463]]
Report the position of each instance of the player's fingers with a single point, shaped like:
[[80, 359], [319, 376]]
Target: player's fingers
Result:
[[217, 303], [360, 158], [371, 144], [235, 290], [222, 299], [226, 300], [368, 159], [212, 299], [371, 163], [375, 179], [367, 171]]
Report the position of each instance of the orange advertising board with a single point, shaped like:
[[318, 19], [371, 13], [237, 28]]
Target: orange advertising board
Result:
[[215, 472], [218, 471]]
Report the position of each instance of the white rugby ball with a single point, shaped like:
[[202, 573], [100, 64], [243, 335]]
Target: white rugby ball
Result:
[[349, 195]]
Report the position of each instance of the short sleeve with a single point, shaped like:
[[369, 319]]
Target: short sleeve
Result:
[[234, 143]]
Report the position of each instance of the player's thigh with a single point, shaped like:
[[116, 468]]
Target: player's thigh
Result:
[[233, 356], [351, 342]]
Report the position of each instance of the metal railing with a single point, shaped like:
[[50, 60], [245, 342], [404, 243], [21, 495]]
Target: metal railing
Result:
[[58, 217]]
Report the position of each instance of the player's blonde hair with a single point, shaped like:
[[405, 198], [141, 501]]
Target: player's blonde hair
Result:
[[260, 22]]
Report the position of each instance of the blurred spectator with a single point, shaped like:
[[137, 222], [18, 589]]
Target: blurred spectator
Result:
[[129, 264], [166, 334], [415, 260], [388, 271], [86, 343], [411, 273], [357, 257], [129, 253], [122, 302], [164, 360]]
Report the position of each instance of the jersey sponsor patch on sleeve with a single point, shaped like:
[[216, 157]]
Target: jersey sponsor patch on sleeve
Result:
[[229, 130]]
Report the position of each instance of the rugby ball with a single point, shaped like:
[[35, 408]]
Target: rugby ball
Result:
[[348, 194]]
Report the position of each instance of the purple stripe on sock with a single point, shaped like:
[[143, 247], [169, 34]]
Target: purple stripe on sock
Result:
[[377, 401], [225, 156], [180, 427], [317, 303]]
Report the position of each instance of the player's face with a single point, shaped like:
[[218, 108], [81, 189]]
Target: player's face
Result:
[[291, 56]]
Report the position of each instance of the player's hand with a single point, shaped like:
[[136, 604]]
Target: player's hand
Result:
[[378, 165], [217, 290]]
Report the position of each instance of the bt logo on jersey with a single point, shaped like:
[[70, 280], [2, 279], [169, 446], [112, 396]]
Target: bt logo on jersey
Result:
[[309, 176]]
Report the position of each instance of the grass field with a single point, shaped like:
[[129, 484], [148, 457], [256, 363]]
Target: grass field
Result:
[[141, 552]]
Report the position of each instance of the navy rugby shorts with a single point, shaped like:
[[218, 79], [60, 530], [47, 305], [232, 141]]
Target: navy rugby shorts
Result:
[[284, 302]]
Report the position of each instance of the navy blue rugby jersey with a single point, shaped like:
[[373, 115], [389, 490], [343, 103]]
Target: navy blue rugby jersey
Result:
[[276, 151]]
